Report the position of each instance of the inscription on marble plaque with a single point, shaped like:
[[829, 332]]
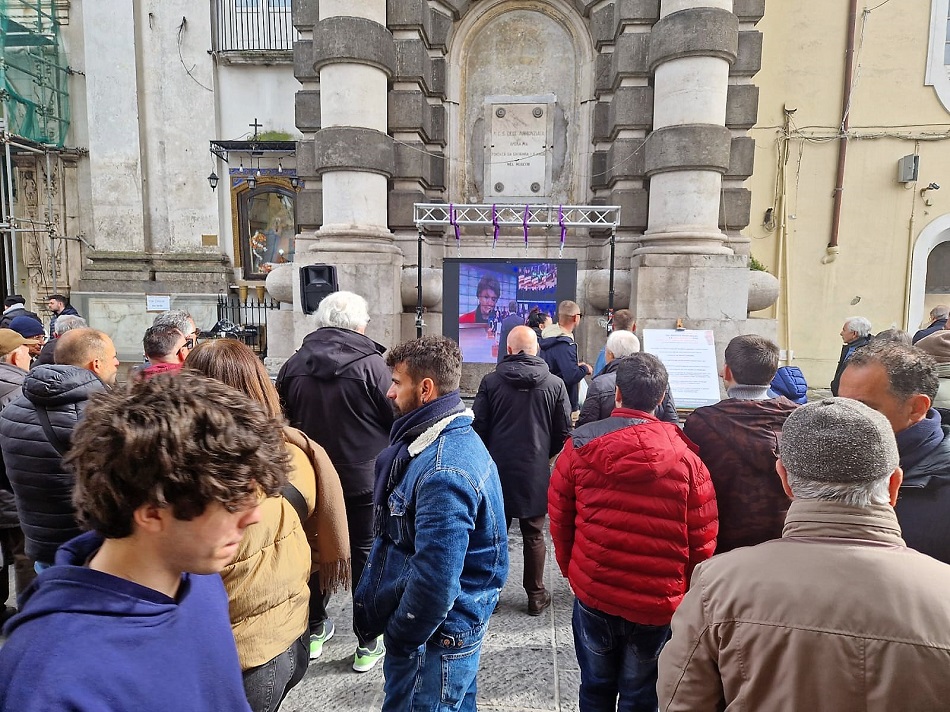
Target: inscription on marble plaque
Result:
[[518, 156]]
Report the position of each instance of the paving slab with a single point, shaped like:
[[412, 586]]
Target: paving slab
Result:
[[527, 665]]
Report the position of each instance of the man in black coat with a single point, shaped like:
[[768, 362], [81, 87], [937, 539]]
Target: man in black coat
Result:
[[14, 306], [523, 415], [334, 389], [59, 306], [856, 334], [900, 382]]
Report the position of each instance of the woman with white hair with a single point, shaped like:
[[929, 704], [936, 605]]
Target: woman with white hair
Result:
[[601, 398], [334, 389]]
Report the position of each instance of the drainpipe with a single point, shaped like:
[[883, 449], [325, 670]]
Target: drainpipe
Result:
[[832, 250], [911, 232]]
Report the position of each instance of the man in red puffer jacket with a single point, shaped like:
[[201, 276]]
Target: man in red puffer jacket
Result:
[[632, 511]]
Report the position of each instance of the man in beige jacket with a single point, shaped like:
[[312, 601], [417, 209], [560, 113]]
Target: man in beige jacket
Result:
[[838, 614]]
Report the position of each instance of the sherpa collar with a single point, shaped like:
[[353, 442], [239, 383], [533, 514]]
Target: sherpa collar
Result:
[[431, 434]]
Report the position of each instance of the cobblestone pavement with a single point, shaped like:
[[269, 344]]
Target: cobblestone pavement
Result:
[[527, 665]]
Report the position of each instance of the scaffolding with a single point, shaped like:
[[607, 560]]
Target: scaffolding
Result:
[[34, 75], [34, 99]]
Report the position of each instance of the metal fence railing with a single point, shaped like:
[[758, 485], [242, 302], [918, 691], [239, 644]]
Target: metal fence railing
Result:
[[244, 318], [252, 25]]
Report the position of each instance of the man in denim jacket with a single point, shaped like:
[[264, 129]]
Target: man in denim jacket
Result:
[[440, 556]]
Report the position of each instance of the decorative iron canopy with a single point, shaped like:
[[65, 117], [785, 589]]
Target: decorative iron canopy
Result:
[[223, 149]]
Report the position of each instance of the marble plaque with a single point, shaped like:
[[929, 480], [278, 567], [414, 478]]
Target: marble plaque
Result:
[[518, 165]]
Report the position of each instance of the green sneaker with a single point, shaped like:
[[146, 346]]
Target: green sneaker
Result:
[[366, 658], [324, 632]]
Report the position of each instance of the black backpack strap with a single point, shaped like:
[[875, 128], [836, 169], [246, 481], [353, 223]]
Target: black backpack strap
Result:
[[296, 499], [51, 435]]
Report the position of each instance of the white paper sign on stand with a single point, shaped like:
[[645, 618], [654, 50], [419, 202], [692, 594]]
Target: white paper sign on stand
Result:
[[690, 358]]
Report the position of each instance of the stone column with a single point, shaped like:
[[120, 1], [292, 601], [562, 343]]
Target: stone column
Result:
[[115, 161], [683, 268], [691, 49], [354, 53]]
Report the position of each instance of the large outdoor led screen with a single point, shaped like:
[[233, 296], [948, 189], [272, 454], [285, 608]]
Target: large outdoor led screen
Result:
[[478, 293]]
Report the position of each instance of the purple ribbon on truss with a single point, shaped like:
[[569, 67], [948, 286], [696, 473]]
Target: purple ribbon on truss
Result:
[[454, 223], [524, 224], [494, 222], [560, 221]]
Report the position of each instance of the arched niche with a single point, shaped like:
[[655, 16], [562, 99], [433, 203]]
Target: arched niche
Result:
[[520, 51], [933, 235]]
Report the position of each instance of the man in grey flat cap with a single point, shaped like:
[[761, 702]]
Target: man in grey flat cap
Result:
[[836, 615]]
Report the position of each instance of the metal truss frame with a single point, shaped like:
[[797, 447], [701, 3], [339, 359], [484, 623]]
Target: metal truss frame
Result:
[[502, 215], [509, 215]]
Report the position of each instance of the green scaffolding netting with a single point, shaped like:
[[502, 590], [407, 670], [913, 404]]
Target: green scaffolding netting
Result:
[[33, 71]]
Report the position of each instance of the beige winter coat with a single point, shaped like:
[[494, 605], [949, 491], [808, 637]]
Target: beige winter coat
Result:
[[836, 616]]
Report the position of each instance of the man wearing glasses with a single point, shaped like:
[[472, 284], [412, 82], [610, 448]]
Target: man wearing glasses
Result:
[[166, 349], [180, 319]]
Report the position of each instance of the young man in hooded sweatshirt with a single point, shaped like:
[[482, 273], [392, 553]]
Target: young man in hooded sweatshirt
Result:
[[169, 473]]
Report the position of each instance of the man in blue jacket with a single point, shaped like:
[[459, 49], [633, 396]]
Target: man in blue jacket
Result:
[[938, 321], [169, 473], [560, 352], [440, 557]]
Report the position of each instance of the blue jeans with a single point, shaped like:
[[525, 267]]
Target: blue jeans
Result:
[[432, 679], [267, 685], [616, 657]]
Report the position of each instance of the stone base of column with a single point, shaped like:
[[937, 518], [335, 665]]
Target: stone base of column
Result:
[[685, 242], [705, 291], [367, 262]]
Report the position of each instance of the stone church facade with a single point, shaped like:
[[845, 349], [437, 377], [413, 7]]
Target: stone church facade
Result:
[[715, 126], [642, 104]]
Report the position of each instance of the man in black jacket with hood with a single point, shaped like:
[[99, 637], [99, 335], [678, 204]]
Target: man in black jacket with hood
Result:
[[523, 415], [35, 433], [334, 389]]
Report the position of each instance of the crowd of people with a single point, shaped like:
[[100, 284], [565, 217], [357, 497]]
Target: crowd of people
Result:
[[191, 524]]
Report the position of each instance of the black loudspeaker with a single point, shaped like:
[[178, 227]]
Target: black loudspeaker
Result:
[[316, 282]]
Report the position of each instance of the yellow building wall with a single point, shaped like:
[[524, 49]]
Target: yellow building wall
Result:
[[892, 113]]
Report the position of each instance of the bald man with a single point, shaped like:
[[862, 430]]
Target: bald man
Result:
[[523, 415], [35, 433]]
